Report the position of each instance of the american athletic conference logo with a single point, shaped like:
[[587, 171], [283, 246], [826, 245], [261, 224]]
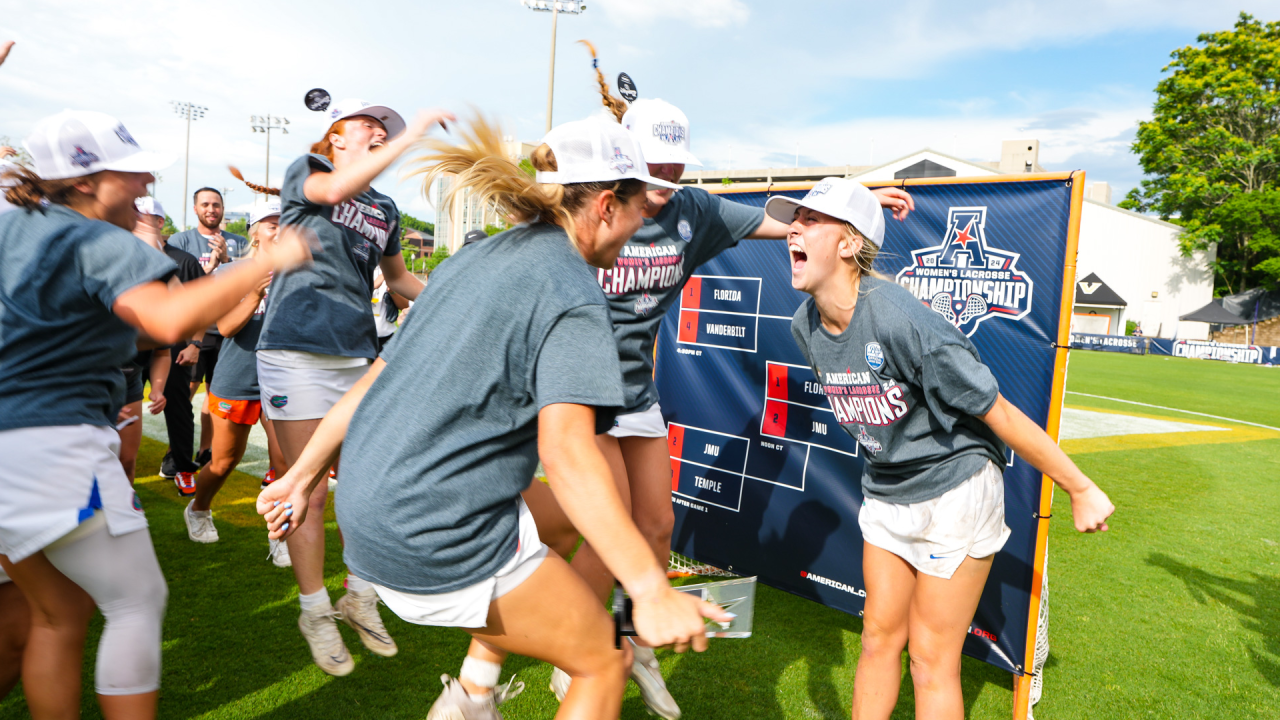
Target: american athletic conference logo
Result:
[[964, 279]]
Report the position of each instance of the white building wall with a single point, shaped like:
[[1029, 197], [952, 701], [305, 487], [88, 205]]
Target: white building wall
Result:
[[1138, 256]]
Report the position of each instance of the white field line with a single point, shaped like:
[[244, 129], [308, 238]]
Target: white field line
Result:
[[1162, 407]]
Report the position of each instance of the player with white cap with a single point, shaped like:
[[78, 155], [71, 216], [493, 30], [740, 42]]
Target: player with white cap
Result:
[[75, 290], [234, 399], [509, 358], [934, 427], [318, 336]]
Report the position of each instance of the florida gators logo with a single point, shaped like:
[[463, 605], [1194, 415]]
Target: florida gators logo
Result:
[[137, 502], [965, 279], [279, 401]]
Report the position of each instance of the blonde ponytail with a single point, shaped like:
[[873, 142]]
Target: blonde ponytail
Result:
[[615, 105], [480, 164], [865, 258]]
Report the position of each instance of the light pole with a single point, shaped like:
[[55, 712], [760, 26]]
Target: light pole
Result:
[[265, 124], [190, 112], [555, 7]]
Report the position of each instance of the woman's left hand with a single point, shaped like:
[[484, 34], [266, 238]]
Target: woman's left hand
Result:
[[283, 504], [897, 200]]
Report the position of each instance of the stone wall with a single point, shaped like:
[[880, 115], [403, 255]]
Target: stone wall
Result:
[[1268, 334]]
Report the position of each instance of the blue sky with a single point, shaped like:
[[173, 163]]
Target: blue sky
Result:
[[838, 82]]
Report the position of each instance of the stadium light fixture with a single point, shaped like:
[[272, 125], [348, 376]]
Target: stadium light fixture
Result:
[[555, 7], [188, 111], [265, 124]]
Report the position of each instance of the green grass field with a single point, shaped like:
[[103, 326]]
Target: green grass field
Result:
[[1175, 613]]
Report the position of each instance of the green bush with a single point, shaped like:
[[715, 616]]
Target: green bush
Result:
[[1129, 327]]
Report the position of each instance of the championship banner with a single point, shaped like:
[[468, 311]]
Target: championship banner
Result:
[[765, 481], [1109, 343], [1209, 350]]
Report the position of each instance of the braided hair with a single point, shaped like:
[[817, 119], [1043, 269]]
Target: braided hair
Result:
[[617, 106], [253, 186]]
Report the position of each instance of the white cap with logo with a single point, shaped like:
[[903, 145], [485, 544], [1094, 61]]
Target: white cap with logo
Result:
[[593, 150], [663, 131], [841, 198], [351, 107], [148, 205], [263, 210], [75, 143]]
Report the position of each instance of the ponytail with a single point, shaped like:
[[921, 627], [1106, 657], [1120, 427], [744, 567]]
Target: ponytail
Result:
[[253, 186], [480, 164], [865, 258], [29, 190], [615, 105]]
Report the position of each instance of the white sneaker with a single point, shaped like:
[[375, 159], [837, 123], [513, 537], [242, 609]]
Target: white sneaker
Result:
[[360, 611], [647, 673], [200, 525], [455, 704], [560, 683], [278, 553], [327, 648]]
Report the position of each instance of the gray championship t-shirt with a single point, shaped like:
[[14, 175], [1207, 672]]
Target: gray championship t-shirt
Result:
[[61, 346], [692, 228], [324, 307], [447, 436], [907, 385], [235, 377]]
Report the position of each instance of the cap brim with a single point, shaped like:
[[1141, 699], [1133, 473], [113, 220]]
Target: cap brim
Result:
[[656, 184], [141, 161], [389, 118], [676, 156], [782, 208]]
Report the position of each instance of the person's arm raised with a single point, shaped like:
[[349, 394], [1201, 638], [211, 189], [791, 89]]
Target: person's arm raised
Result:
[[398, 278], [171, 315], [1090, 506], [581, 481], [895, 199], [341, 185], [240, 315], [284, 502]]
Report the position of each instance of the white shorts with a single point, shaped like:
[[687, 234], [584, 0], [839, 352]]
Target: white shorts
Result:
[[469, 607], [53, 478], [303, 393], [646, 423], [936, 535]]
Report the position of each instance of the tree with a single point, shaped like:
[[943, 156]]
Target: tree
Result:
[[409, 222], [20, 156], [169, 228], [440, 254], [1212, 151], [239, 226]]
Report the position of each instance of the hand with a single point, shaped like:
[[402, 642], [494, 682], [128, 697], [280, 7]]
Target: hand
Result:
[[1090, 509], [6, 151], [283, 504], [158, 400], [424, 120], [123, 415], [896, 199], [189, 356], [218, 248], [668, 617], [290, 248], [261, 290], [5, 47]]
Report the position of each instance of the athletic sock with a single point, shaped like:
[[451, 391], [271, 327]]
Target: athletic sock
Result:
[[480, 672], [356, 585], [318, 600]]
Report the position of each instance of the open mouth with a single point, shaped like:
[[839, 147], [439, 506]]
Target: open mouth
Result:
[[798, 258], [376, 145]]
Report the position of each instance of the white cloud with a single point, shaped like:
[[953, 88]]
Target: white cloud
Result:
[[701, 13]]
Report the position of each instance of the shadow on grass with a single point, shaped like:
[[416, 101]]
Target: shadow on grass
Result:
[[1256, 601]]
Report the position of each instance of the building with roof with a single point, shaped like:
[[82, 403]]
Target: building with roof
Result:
[[1129, 266]]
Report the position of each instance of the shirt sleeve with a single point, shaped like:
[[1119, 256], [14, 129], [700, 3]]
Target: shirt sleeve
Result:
[[800, 331], [578, 364], [291, 192], [721, 223], [113, 262], [393, 237]]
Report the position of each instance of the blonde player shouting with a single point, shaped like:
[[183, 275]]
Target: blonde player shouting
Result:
[[447, 427], [933, 514], [75, 290], [318, 336]]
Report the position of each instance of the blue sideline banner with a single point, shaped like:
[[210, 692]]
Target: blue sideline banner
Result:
[[765, 481], [1109, 343], [1209, 350]]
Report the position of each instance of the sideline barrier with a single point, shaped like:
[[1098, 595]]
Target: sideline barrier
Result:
[[1109, 343], [764, 480], [1209, 350]]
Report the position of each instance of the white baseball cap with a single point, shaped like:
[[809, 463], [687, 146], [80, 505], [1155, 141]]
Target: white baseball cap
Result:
[[75, 143], [263, 210], [351, 107], [593, 150], [148, 205], [663, 131], [841, 198]]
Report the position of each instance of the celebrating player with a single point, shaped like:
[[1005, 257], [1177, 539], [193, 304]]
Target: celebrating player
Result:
[[318, 335], [75, 290], [933, 514], [234, 399], [447, 427]]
